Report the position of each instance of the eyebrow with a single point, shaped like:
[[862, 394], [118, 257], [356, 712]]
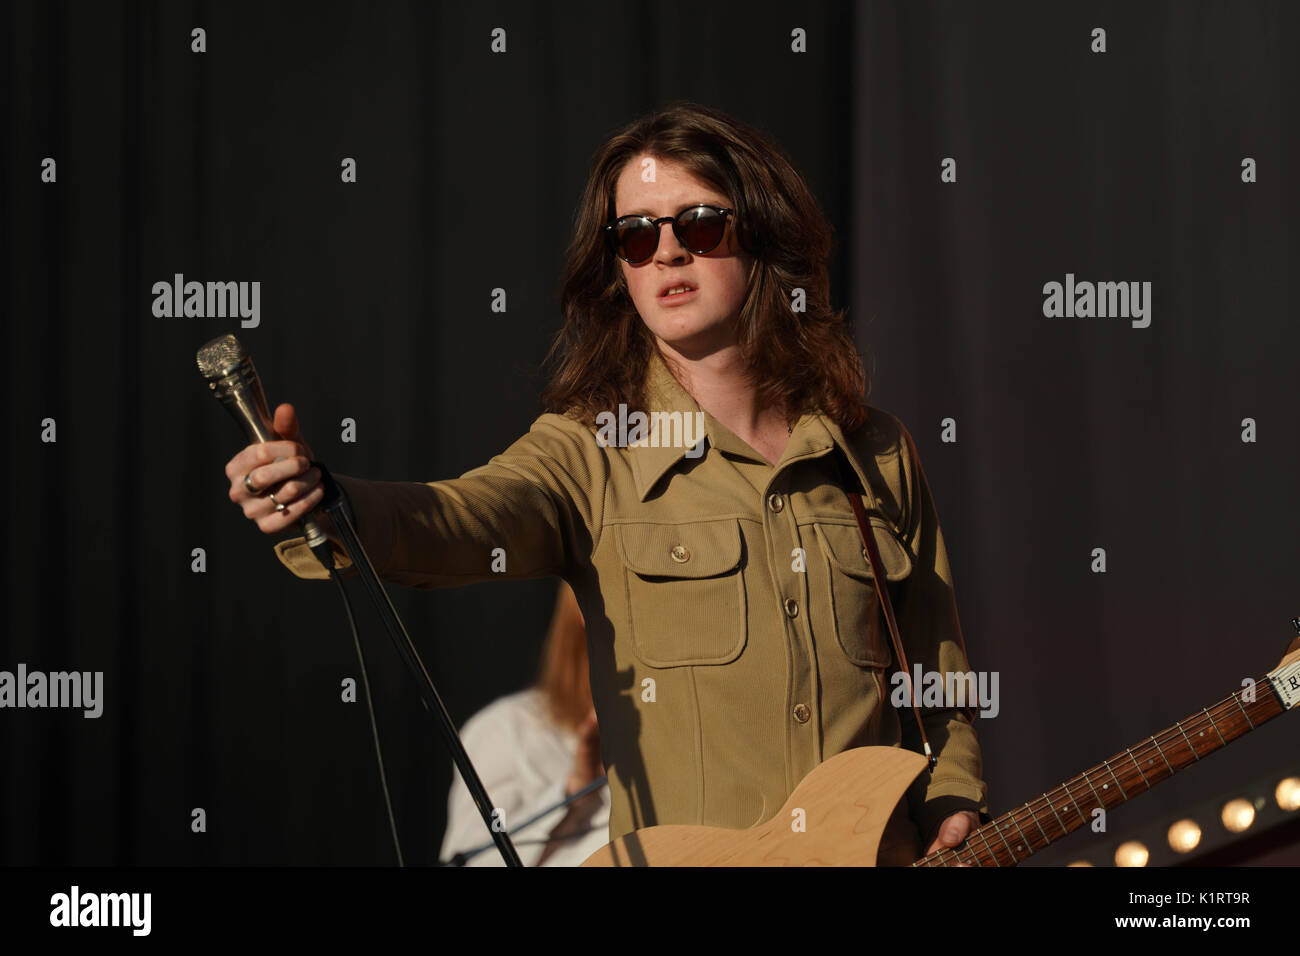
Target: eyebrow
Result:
[[642, 211]]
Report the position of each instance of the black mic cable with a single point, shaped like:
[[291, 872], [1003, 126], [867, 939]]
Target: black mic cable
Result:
[[370, 709], [230, 374]]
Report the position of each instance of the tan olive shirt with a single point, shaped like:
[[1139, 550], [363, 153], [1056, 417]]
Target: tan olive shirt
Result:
[[724, 666]]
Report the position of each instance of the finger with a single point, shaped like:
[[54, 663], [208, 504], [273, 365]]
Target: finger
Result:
[[286, 422], [956, 828], [299, 487], [262, 453], [954, 831], [273, 477], [273, 522], [287, 488], [287, 426]]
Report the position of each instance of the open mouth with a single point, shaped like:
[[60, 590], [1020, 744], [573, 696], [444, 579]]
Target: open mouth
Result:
[[678, 293]]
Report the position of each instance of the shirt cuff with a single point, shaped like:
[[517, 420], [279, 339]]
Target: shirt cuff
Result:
[[363, 507]]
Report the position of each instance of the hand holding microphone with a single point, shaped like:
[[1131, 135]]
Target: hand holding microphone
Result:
[[284, 484], [272, 479]]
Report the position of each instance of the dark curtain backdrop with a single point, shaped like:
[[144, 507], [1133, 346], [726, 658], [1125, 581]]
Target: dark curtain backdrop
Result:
[[222, 688]]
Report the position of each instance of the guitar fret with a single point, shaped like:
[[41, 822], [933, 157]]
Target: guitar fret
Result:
[[1066, 787], [1028, 846], [1190, 745], [1106, 764], [1014, 858], [1139, 767], [993, 853], [1162, 755], [1034, 813], [1243, 711], [1214, 725], [1064, 828], [1093, 789]]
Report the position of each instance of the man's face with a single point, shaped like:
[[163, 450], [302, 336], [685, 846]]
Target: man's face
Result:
[[700, 322]]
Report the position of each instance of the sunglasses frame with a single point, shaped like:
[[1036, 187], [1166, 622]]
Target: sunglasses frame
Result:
[[612, 234]]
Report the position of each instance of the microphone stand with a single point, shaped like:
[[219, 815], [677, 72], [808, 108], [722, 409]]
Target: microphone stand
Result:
[[332, 505]]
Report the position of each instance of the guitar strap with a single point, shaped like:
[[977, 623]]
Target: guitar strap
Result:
[[882, 589]]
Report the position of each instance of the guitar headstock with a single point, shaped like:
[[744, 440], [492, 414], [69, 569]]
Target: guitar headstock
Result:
[[1285, 678]]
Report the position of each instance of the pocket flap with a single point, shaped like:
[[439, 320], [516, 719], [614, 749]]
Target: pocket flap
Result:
[[696, 549], [844, 547]]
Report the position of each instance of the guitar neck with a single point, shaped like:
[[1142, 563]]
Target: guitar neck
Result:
[[1014, 836]]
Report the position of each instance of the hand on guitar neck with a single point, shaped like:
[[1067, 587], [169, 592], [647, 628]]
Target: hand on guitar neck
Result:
[[953, 830]]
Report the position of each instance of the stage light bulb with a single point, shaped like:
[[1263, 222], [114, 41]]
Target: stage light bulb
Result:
[[1079, 863], [1238, 815], [1132, 853], [1184, 836], [1288, 794]]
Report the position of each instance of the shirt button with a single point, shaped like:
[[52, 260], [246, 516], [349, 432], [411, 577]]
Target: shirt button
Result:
[[776, 503], [791, 607], [802, 713], [680, 554]]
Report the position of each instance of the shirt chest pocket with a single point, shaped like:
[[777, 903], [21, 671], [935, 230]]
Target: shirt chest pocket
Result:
[[685, 591], [850, 590]]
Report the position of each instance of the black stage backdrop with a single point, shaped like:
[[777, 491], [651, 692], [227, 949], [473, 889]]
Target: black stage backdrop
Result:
[[1167, 159]]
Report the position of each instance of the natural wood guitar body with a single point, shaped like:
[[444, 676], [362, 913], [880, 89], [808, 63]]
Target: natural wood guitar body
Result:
[[847, 802]]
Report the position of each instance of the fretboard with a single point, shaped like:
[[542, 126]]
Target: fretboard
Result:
[[1014, 836]]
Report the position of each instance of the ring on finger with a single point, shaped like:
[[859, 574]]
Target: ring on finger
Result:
[[249, 485], [278, 506]]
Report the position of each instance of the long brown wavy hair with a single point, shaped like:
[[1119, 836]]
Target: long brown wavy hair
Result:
[[563, 676], [798, 361]]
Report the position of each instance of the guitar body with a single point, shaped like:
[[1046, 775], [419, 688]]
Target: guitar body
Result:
[[850, 811], [853, 814]]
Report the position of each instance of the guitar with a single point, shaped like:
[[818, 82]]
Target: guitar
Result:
[[849, 801]]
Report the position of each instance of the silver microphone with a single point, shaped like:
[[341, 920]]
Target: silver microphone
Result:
[[232, 378]]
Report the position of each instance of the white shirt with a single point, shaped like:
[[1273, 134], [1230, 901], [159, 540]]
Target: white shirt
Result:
[[523, 758]]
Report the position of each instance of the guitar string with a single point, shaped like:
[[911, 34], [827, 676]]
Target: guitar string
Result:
[[938, 857]]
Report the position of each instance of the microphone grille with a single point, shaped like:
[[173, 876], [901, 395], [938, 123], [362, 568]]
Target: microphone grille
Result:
[[219, 356]]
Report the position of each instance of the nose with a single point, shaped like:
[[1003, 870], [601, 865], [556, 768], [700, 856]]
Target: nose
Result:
[[671, 249]]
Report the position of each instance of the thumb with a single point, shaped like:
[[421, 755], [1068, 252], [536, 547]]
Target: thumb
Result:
[[286, 426], [286, 422]]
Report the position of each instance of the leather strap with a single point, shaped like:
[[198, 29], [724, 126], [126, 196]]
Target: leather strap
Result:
[[882, 590]]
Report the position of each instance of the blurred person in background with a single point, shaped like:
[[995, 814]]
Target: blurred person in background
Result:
[[534, 749]]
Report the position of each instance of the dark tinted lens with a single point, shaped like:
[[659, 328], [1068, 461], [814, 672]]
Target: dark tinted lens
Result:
[[701, 228], [637, 239]]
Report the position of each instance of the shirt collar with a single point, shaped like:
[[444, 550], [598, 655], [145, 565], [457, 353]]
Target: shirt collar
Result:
[[813, 436]]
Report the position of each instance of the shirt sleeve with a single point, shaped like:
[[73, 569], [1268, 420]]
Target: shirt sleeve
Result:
[[931, 635], [532, 511]]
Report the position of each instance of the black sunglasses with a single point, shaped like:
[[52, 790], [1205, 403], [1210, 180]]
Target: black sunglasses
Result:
[[698, 228]]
